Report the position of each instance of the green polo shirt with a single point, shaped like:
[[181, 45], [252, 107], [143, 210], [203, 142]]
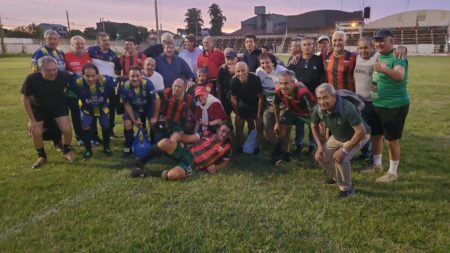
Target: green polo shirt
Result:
[[390, 93], [341, 121]]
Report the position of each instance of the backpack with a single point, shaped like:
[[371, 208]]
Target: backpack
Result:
[[141, 144], [356, 99]]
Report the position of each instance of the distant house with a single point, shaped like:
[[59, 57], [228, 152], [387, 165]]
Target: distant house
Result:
[[62, 30]]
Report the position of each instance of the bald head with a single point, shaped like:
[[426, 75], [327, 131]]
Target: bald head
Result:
[[178, 87], [241, 71], [149, 66], [208, 43]]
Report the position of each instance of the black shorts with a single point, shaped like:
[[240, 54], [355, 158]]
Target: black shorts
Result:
[[370, 116], [49, 112], [391, 122]]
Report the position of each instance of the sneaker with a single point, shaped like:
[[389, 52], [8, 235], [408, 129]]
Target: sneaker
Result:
[[39, 162], [372, 168], [126, 152], [69, 156], [59, 147], [330, 181], [113, 136], [347, 193], [95, 143], [257, 151], [87, 154], [308, 151], [139, 171], [80, 143], [386, 178], [107, 152], [276, 160]]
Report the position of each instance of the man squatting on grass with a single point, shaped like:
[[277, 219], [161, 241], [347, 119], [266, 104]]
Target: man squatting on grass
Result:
[[350, 133], [208, 151], [43, 97]]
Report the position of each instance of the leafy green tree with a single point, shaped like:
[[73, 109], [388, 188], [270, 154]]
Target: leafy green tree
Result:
[[90, 33], [194, 21], [217, 19], [74, 33]]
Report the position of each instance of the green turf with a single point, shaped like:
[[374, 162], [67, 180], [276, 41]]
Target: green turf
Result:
[[250, 207]]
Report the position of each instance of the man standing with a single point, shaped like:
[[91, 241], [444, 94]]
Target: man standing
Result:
[[310, 71], [131, 56], [323, 46], [191, 52], [50, 48], [108, 64], [212, 58], [340, 64], [350, 133], [247, 101], [172, 67], [156, 49], [391, 102], [209, 152], [43, 97], [77, 57], [363, 86], [252, 53], [150, 73], [93, 91], [298, 102], [226, 73]]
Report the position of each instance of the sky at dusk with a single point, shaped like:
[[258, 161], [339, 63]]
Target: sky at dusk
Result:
[[85, 13]]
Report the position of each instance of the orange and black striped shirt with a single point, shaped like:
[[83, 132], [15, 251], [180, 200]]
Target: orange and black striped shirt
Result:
[[174, 108], [126, 61], [209, 150]]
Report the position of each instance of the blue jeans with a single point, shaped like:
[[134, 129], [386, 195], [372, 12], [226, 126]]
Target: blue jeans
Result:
[[300, 134]]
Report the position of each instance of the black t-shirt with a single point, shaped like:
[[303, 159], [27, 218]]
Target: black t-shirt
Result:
[[46, 93], [223, 80], [252, 59], [247, 94], [153, 50], [310, 72]]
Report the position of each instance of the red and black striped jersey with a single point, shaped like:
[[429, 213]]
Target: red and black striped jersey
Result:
[[340, 70], [209, 149], [126, 61], [174, 109], [301, 102]]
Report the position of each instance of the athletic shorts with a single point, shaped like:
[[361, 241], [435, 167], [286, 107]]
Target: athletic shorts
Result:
[[370, 116], [391, 121], [184, 158], [86, 119], [288, 118], [46, 112]]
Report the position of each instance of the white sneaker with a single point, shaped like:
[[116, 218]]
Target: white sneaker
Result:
[[386, 178]]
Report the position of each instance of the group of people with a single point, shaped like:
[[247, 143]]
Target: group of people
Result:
[[187, 100]]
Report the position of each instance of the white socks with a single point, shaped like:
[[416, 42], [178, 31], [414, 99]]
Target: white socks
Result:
[[393, 165], [377, 159]]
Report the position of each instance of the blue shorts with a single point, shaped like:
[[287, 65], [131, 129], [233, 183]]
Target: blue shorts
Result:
[[87, 118]]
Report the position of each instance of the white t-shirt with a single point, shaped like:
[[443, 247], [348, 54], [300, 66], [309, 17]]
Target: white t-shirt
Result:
[[157, 81], [269, 81], [191, 58], [363, 75]]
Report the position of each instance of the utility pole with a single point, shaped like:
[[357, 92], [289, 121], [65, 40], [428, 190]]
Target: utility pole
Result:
[[68, 23], [158, 38], [102, 20], [1, 36]]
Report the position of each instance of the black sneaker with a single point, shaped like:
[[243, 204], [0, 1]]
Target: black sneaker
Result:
[[276, 161], [257, 151], [126, 153], [139, 171], [347, 193], [107, 152], [87, 154]]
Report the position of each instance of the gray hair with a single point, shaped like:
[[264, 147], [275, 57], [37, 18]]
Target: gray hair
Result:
[[75, 38], [369, 40], [46, 60], [166, 37], [289, 74], [326, 87], [50, 32], [340, 33]]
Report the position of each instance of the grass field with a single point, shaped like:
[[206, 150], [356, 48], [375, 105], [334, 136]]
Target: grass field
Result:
[[250, 207]]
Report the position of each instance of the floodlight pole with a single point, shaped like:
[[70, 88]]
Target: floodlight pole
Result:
[[1, 36], [157, 25]]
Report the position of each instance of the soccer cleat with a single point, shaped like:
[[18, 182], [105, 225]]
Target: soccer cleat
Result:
[[95, 143], [287, 157], [107, 152], [139, 171], [126, 152], [39, 162], [69, 156], [276, 161], [347, 193], [87, 154], [58, 147], [386, 178], [372, 168]]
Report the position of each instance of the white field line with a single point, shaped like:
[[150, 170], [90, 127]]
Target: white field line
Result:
[[68, 202]]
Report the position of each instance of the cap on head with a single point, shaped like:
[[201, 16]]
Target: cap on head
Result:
[[200, 90], [381, 34], [231, 54], [323, 37]]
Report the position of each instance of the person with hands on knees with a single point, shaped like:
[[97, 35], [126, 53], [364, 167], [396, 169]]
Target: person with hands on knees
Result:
[[141, 103]]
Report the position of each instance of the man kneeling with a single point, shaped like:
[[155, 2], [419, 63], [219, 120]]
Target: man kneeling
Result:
[[209, 151]]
